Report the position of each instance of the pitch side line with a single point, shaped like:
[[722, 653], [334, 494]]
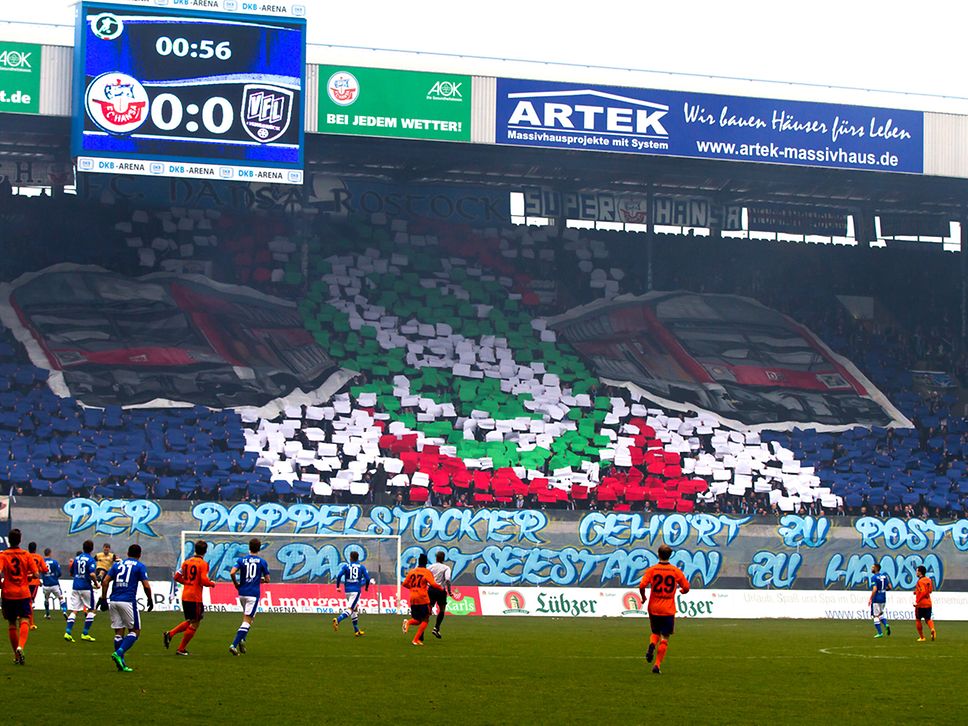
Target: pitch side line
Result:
[[829, 651], [409, 653]]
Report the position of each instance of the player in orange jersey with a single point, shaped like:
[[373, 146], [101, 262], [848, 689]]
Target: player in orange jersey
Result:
[[41, 570], [663, 579], [922, 603], [417, 581], [18, 571], [193, 575]]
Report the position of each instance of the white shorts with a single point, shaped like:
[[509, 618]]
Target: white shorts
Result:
[[352, 601], [54, 590], [81, 600], [877, 609], [124, 615], [250, 604]]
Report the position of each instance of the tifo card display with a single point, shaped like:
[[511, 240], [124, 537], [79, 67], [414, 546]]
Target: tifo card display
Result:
[[188, 94]]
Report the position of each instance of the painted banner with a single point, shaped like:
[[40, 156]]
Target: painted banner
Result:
[[26, 172], [110, 339], [520, 548], [799, 220], [699, 125], [903, 224], [327, 195], [631, 208], [933, 380], [730, 356], [19, 77], [399, 104]]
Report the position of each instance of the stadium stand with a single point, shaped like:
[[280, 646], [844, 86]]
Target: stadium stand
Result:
[[462, 394]]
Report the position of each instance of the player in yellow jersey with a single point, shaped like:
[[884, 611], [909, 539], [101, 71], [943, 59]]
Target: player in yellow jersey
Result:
[[104, 559]]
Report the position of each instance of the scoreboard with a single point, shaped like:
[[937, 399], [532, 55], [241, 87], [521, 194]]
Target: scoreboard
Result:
[[177, 93]]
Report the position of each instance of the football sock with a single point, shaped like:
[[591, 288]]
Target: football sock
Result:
[[46, 608], [420, 631], [653, 639], [411, 622], [63, 606], [187, 638], [931, 626], [126, 644], [342, 616], [240, 634], [24, 632], [88, 621], [920, 629], [660, 652], [14, 637], [70, 623], [356, 622], [117, 641], [877, 626], [181, 627], [440, 619]]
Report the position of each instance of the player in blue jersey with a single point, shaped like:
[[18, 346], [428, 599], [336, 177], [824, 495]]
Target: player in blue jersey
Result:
[[50, 581], [123, 603], [83, 567], [878, 600], [247, 575], [355, 576]]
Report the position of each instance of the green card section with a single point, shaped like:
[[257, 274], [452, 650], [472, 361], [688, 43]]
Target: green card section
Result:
[[19, 77], [359, 350], [399, 104]]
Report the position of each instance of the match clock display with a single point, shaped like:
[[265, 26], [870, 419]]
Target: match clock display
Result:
[[176, 93]]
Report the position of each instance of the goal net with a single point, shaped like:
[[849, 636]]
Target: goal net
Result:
[[303, 569]]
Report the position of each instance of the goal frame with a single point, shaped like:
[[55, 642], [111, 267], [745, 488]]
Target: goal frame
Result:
[[187, 534]]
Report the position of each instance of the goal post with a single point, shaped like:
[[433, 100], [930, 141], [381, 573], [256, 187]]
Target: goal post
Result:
[[380, 554]]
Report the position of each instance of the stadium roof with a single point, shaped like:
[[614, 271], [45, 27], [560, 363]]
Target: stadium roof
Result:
[[48, 139], [725, 181]]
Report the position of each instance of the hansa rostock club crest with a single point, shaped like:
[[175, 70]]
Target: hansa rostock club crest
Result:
[[266, 111], [343, 89], [117, 103]]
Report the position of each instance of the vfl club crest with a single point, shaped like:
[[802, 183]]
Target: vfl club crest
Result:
[[343, 88], [117, 103], [266, 111]]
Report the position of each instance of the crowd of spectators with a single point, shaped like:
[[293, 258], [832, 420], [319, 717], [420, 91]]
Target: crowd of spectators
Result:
[[52, 446]]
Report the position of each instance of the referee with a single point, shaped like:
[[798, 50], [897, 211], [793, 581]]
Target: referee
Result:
[[438, 596]]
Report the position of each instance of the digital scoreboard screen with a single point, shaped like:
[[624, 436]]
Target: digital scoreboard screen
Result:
[[183, 93]]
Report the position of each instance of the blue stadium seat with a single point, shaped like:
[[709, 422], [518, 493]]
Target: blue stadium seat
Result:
[[281, 487]]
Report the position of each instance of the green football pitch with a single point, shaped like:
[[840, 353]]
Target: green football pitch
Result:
[[494, 670]]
